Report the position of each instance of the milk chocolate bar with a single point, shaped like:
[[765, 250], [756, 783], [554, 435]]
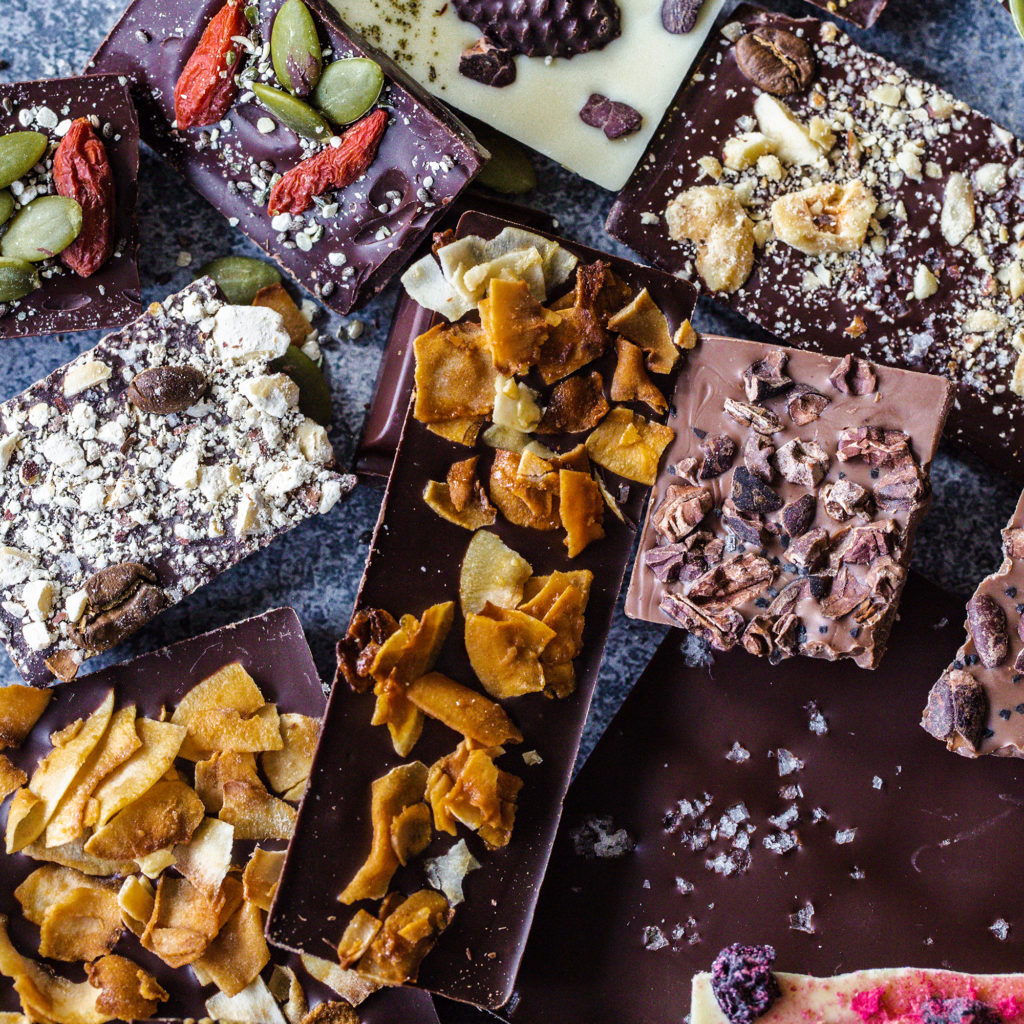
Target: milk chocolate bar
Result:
[[272, 649], [742, 985], [348, 245], [726, 803], [415, 566], [848, 204], [621, 60], [974, 707], [795, 485], [142, 469], [64, 300]]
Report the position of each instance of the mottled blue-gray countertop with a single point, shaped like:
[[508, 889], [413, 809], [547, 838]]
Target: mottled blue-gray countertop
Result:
[[967, 46]]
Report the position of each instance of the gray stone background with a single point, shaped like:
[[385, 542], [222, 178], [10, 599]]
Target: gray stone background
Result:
[[966, 46]]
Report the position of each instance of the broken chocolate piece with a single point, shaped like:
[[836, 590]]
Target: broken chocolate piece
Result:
[[488, 64], [615, 119]]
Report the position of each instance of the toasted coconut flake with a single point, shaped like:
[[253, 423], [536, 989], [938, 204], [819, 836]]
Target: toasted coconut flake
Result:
[[505, 647], [515, 323], [394, 709], [291, 764], [525, 499], [464, 710], [296, 793], [425, 283], [82, 923], [491, 573], [136, 899], [160, 742], [206, 859], [253, 1005], [126, 991], [575, 404], [392, 794], [412, 650], [20, 708], [47, 884], [275, 297], [454, 373], [239, 952], [581, 509], [631, 383], [166, 814], [356, 939], [184, 921], [351, 986], [286, 988], [449, 871], [261, 876], [643, 323], [629, 445], [73, 855], [473, 517], [26, 818], [332, 1013], [464, 430], [214, 772], [513, 440], [10, 777], [152, 864], [407, 934], [255, 813]]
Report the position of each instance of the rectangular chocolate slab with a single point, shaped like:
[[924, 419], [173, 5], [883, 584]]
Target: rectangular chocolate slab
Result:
[[273, 650], [914, 404], [91, 482], [415, 560], [975, 706], [929, 833], [864, 302], [425, 159], [110, 296]]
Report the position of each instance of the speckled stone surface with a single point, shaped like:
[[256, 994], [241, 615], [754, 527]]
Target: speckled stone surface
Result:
[[969, 48]]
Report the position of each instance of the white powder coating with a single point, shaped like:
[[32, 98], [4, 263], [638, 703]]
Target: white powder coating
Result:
[[642, 67]]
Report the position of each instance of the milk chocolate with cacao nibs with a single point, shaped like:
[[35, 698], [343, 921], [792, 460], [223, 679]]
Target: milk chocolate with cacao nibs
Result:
[[934, 283], [976, 707], [809, 530]]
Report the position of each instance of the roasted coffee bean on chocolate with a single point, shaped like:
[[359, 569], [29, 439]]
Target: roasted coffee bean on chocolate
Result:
[[680, 16], [120, 599], [615, 119], [776, 60], [488, 64], [166, 389], [987, 624]]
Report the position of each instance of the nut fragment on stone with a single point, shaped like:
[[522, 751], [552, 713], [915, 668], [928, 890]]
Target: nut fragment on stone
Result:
[[166, 389], [987, 624], [712, 217], [776, 60], [956, 711], [825, 218]]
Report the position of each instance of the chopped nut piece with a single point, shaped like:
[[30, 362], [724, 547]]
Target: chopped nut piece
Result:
[[792, 142], [356, 651], [956, 711], [824, 218], [957, 219], [742, 151]]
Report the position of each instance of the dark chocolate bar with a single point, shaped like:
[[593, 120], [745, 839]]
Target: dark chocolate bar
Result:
[[668, 850], [863, 13], [785, 516], [145, 467], [110, 296], [273, 650], [414, 562], [975, 706], [933, 285], [345, 250]]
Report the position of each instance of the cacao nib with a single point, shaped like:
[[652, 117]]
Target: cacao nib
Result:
[[757, 637], [757, 453], [863, 544], [747, 529], [722, 631], [957, 709], [765, 377], [681, 511], [680, 16], [987, 624], [1013, 542], [901, 489], [845, 595], [804, 463], [804, 405], [488, 64], [798, 515], [613, 118], [764, 421], [853, 376], [743, 982], [879, 447], [687, 468], [845, 499], [736, 581], [752, 495], [809, 550], [718, 450]]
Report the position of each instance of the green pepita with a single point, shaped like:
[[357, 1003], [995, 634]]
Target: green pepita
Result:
[[293, 113], [17, 279], [6, 205], [19, 153], [314, 394], [295, 48], [348, 88], [240, 277], [47, 226], [509, 170]]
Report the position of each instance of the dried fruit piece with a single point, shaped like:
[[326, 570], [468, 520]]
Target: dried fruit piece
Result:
[[19, 153], [712, 217], [17, 278], [986, 622], [492, 573], [207, 88], [488, 64], [409, 929], [614, 118], [825, 218], [525, 489], [743, 982], [166, 389], [464, 710], [82, 172], [300, 117], [240, 277], [957, 710], [42, 229], [295, 48], [778, 61], [515, 324], [335, 167], [348, 88]]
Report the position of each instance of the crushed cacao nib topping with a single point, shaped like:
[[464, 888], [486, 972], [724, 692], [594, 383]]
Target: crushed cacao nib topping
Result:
[[809, 549], [957, 710], [845, 595], [735, 582], [746, 527], [762, 420], [766, 377], [845, 499], [864, 544], [802, 462], [797, 516], [687, 560], [757, 456], [749, 494], [878, 447], [681, 511], [901, 489], [718, 451], [722, 631], [687, 469], [1013, 542], [804, 405], [854, 376]]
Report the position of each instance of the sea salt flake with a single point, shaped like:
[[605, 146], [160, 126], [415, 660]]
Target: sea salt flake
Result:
[[788, 762], [654, 938], [876, 782], [598, 837], [1000, 928], [803, 919], [738, 753], [779, 842], [683, 886], [816, 720], [846, 835], [786, 818]]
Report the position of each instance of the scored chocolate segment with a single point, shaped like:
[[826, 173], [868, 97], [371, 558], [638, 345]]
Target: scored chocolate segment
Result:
[[784, 515], [425, 158], [976, 706], [886, 832], [414, 562], [111, 295], [913, 268], [273, 650]]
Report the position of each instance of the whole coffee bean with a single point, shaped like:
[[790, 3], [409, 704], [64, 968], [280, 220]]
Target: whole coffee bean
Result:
[[776, 60], [166, 389]]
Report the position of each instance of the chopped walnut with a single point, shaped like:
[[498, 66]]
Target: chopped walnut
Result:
[[824, 218], [711, 217]]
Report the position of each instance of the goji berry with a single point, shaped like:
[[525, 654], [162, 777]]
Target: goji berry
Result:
[[81, 171], [207, 88], [334, 167]]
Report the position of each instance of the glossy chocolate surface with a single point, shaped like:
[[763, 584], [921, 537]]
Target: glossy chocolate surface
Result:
[[414, 562], [898, 330], [111, 296], [928, 875], [150, 45], [273, 650]]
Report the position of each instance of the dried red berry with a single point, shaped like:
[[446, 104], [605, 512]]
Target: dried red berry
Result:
[[743, 982]]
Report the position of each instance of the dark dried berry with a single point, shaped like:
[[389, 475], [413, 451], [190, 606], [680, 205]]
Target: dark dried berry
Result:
[[743, 982], [718, 450], [752, 495], [853, 376], [765, 377], [776, 60], [956, 711], [166, 389], [987, 624], [680, 16], [958, 1010], [805, 405], [615, 119], [488, 64], [798, 515]]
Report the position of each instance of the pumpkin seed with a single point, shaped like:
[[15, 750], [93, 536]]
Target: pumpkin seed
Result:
[[509, 170], [295, 48], [293, 113], [314, 394], [17, 279], [19, 153], [240, 277], [47, 226], [348, 88], [6, 205]]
